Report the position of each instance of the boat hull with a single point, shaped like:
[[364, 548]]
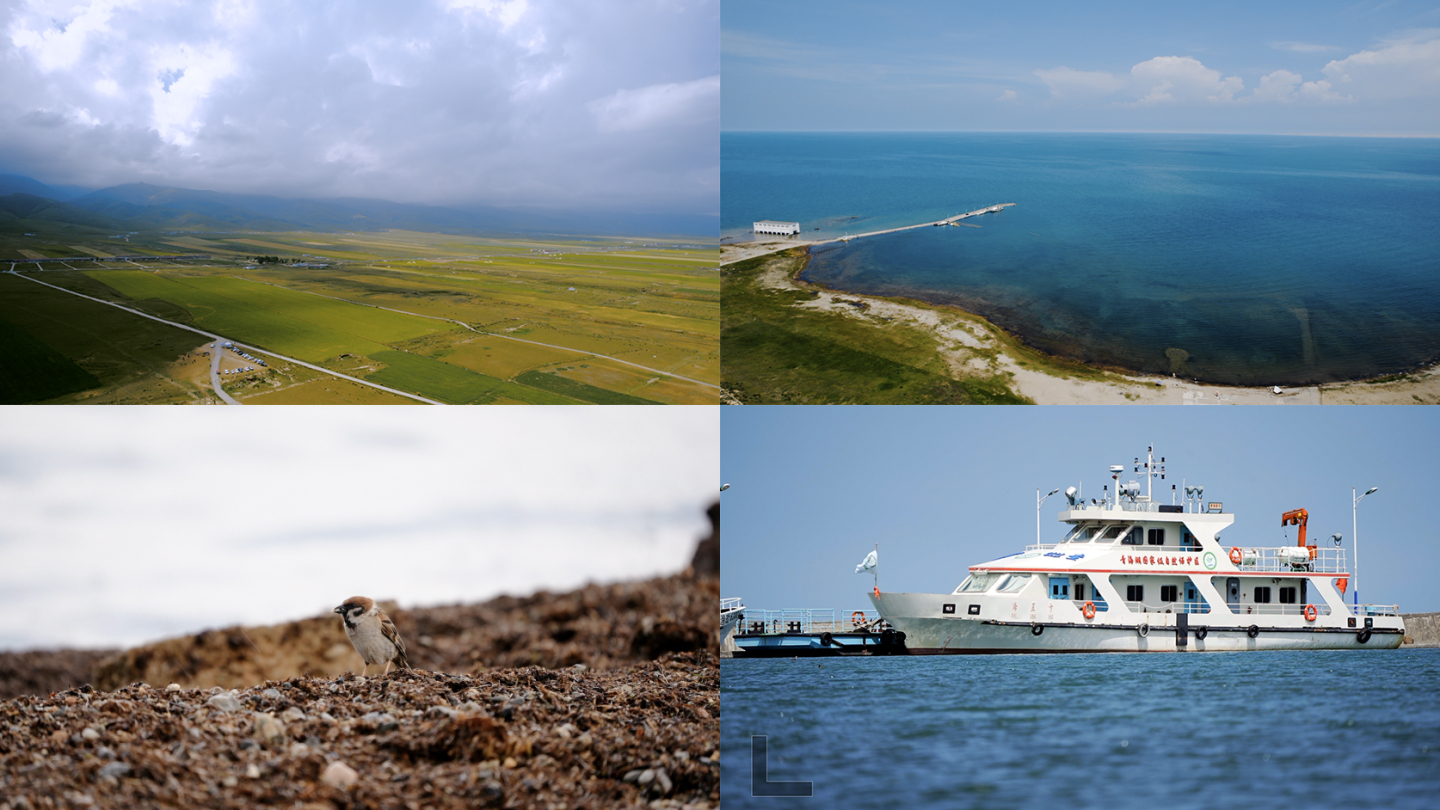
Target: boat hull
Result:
[[962, 635]]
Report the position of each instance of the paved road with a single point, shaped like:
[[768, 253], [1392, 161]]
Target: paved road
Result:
[[216, 352], [247, 347]]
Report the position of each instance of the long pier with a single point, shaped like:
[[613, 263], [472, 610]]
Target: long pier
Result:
[[741, 252], [947, 221]]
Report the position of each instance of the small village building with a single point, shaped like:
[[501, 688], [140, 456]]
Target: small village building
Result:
[[777, 228]]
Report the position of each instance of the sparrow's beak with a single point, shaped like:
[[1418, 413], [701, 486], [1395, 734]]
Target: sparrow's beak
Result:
[[338, 609]]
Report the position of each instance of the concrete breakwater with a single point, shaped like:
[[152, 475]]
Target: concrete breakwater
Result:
[[1421, 629]]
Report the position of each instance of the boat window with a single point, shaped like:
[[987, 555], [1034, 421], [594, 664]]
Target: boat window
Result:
[[1287, 596], [1112, 533], [1134, 593], [1079, 534], [1156, 537], [1262, 595], [1013, 583], [1168, 593], [977, 583]]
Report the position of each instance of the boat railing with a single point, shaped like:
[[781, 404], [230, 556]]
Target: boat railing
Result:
[[734, 603], [1375, 610], [1250, 609], [1278, 560], [1168, 607], [806, 620], [1100, 604]]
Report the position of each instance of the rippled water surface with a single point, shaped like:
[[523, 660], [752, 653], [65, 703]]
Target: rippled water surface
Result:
[[1233, 259], [1261, 729]]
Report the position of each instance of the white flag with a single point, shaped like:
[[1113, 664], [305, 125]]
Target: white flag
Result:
[[869, 562]]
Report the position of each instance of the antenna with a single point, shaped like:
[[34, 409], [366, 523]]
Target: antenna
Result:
[[1150, 470]]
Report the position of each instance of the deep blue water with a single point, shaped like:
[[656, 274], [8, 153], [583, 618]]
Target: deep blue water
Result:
[[1245, 730], [1268, 260]]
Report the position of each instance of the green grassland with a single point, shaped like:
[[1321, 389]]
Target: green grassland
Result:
[[49, 334], [578, 390], [777, 353], [494, 309]]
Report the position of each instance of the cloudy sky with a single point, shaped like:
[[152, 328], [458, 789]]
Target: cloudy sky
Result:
[[561, 104], [1355, 67], [941, 489], [119, 526]]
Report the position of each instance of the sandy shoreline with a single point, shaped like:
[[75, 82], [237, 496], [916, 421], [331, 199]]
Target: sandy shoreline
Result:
[[970, 344]]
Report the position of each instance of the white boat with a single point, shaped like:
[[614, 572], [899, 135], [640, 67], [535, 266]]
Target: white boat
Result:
[[1133, 575]]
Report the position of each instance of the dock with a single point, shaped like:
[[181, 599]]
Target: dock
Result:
[[811, 633]]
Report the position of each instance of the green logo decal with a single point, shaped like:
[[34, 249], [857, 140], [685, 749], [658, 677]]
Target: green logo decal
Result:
[[1209, 560]]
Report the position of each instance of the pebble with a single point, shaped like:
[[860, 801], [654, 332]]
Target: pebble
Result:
[[442, 711], [339, 775], [225, 702], [293, 714], [174, 687], [104, 753], [271, 694], [631, 776], [510, 762], [90, 734], [646, 776], [663, 780], [269, 731], [115, 770], [252, 771], [230, 781], [327, 717], [299, 749]]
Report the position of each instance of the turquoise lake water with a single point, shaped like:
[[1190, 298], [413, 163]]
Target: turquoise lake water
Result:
[[1231, 259], [1342, 729]]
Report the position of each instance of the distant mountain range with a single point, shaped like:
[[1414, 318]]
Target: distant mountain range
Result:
[[143, 207]]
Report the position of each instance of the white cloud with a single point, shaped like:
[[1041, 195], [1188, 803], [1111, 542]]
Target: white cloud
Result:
[[1401, 68], [1278, 86], [1065, 81], [1172, 79], [449, 103], [658, 105], [1302, 47], [1008, 95]]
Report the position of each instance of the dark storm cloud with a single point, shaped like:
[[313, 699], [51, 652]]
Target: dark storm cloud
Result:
[[578, 105]]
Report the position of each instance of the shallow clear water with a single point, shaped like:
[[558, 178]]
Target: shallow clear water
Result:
[[1232, 259], [1337, 729]]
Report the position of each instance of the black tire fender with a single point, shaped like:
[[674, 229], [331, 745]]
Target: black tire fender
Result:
[[1201, 633], [1253, 630], [1036, 628], [1363, 636], [1143, 630], [825, 639]]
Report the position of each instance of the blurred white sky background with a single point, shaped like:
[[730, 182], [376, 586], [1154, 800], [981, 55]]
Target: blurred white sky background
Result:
[[125, 525]]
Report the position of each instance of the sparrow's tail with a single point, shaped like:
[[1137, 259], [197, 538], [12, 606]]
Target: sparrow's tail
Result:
[[401, 661]]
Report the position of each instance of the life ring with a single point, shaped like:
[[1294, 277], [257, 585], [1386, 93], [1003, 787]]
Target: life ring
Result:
[[1089, 610], [857, 618], [1311, 613], [1201, 633], [1235, 556], [1252, 631], [1036, 629], [1363, 636], [1143, 630]]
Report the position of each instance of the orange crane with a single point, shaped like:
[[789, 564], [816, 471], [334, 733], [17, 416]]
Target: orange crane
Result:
[[1299, 517]]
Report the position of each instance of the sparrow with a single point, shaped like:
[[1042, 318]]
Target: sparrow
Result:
[[372, 633]]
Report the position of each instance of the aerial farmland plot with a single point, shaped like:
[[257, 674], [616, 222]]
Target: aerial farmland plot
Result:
[[383, 317]]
